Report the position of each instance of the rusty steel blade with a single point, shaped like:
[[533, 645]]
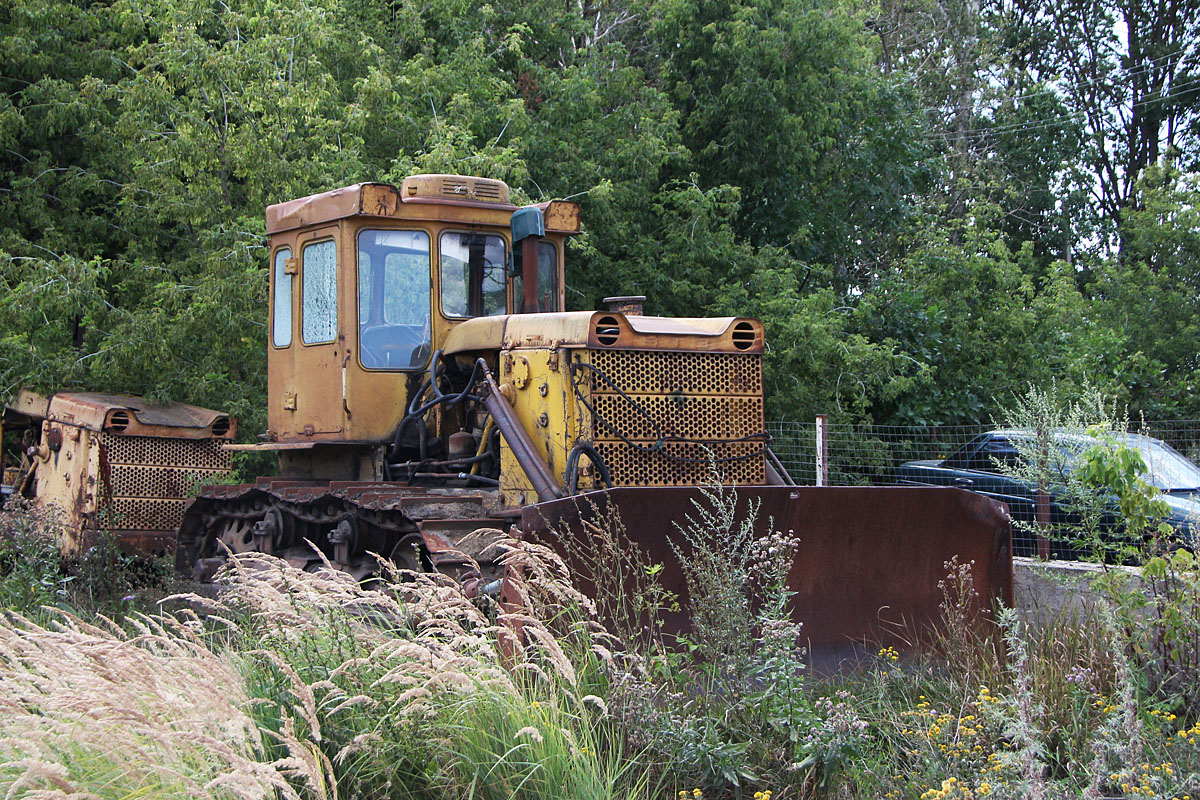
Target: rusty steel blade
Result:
[[869, 561]]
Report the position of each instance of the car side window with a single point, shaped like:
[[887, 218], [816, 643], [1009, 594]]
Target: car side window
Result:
[[991, 454]]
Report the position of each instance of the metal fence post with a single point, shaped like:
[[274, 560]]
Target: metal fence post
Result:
[[822, 451], [1043, 496]]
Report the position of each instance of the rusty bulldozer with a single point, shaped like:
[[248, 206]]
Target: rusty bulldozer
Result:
[[425, 382]]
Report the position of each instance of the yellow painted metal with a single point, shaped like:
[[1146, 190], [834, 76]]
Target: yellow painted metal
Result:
[[455, 187], [546, 408], [666, 414], [585, 328], [68, 478], [560, 216], [118, 463], [322, 392], [30, 403]]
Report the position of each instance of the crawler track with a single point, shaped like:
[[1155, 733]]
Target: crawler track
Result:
[[416, 527]]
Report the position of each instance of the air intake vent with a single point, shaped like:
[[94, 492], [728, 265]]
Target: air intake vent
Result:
[[487, 190], [220, 426], [608, 330], [455, 187], [743, 336], [118, 421]]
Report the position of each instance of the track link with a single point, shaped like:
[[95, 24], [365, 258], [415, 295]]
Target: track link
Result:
[[348, 522]]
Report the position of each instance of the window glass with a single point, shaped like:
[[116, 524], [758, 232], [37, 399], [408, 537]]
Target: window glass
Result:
[[472, 271], [1168, 469], [393, 299], [281, 319], [547, 274], [996, 450], [319, 272]]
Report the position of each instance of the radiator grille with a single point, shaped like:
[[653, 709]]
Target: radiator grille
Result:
[[706, 398], [141, 513], [147, 480], [160, 451], [690, 373], [134, 481], [704, 417], [630, 467]]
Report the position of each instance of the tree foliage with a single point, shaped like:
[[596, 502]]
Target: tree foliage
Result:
[[920, 199]]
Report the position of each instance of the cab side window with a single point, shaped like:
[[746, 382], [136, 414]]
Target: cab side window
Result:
[[281, 317], [547, 276], [319, 291]]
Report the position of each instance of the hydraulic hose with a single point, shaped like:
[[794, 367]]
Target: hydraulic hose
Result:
[[570, 485]]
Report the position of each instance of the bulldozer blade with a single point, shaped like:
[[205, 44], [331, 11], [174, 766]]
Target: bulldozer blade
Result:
[[869, 561]]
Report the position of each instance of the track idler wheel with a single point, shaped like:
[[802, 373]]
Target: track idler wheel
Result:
[[411, 554]]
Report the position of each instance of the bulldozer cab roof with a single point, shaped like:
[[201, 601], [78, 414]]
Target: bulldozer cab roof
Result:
[[385, 200]]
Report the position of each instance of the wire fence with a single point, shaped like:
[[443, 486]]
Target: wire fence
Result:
[[868, 455]]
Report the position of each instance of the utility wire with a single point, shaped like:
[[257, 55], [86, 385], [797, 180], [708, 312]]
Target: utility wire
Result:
[[1129, 74], [1030, 125]]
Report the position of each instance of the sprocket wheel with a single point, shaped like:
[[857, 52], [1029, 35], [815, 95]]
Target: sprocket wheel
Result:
[[237, 535]]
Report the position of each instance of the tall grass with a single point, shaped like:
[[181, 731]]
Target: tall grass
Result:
[[306, 684], [150, 711], [302, 684], [413, 689]]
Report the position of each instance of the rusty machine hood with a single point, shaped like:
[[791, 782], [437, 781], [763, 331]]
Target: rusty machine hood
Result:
[[594, 328], [125, 414]]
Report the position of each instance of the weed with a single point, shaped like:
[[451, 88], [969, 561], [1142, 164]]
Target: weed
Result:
[[32, 572], [727, 708], [93, 710]]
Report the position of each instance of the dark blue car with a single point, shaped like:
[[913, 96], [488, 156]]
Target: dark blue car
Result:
[[978, 466]]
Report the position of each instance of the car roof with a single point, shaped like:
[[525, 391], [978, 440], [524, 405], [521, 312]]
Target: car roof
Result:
[[1070, 436]]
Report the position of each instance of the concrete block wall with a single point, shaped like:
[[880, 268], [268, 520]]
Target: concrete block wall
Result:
[[1046, 590]]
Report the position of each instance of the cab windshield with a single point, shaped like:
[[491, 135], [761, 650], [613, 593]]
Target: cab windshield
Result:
[[473, 275], [393, 299]]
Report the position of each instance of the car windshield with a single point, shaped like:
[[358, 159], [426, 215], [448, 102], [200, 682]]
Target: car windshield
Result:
[[1166, 467]]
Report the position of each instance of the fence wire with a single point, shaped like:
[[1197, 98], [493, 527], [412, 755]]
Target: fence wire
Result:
[[868, 455]]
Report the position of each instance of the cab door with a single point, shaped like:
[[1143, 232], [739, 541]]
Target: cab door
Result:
[[305, 360]]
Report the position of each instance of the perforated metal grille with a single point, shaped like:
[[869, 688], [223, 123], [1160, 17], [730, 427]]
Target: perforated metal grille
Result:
[[708, 398], [148, 479], [630, 467], [703, 417], [131, 481], [140, 513], [160, 451], [689, 373]]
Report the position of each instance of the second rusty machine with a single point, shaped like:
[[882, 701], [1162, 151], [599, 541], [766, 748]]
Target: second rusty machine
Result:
[[425, 382]]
